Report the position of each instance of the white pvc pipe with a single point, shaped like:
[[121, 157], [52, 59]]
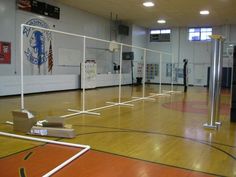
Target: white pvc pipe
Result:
[[144, 71], [43, 140], [172, 72], [21, 68], [86, 148], [83, 66], [115, 104], [160, 73], [66, 162], [120, 75], [84, 50], [103, 107], [97, 39]]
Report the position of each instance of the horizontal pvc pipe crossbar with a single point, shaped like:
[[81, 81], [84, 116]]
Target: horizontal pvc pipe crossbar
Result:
[[119, 104], [90, 110], [102, 40], [116, 104], [86, 148], [171, 91], [93, 38], [83, 112]]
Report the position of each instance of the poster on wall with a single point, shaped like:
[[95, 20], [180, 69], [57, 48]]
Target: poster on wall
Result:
[[90, 74], [5, 52], [38, 50], [152, 71]]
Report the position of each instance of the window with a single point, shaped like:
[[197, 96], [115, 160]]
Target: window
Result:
[[199, 34], [161, 35]]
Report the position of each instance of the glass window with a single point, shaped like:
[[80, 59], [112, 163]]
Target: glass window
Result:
[[199, 34], [160, 35], [155, 31]]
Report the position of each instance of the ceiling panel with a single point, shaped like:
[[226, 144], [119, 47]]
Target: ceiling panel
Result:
[[176, 12]]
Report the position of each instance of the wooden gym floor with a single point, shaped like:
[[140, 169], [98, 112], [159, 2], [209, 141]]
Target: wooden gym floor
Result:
[[153, 138]]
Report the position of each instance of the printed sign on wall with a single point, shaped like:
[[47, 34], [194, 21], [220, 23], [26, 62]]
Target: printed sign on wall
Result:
[[5, 52], [38, 45]]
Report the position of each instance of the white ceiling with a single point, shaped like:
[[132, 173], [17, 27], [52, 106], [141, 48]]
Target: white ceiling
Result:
[[175, 12]]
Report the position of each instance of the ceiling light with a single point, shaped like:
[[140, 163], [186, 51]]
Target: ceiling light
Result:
[[148, 4], [204, 12], [161, 21]]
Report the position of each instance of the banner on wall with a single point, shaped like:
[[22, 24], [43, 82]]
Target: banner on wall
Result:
[[38, 46], [5, 52]]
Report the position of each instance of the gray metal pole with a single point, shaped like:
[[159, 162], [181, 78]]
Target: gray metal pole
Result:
[[215, 83], [219, 72]]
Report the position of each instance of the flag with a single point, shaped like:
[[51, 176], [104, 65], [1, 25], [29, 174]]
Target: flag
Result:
[[50, 58]]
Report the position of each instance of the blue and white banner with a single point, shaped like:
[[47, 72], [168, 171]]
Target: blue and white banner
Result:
[[37, 45]]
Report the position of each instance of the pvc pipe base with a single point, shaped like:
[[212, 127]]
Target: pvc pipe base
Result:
[[119, 104], [218, 123], [144, 98], [206, 125]]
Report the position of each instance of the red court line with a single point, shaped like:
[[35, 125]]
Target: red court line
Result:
[[91, 164], [42, 160]]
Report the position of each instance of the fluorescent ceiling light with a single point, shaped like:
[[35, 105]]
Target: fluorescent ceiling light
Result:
[[148, 4], [161, 21], [204, 12]]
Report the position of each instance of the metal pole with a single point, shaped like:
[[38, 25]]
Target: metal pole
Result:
[[144, 71], [219, 80], [120, 76], [215, 83], [21, 67]]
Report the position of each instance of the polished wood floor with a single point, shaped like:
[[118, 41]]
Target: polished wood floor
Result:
[[167, 131]]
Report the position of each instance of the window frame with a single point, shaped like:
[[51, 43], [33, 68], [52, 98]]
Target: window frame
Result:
[[162, 31], [203, 31]]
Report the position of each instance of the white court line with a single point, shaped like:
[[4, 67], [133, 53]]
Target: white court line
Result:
[[62, 165]]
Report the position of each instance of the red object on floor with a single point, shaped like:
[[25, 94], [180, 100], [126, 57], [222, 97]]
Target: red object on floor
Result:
[[40, 160]]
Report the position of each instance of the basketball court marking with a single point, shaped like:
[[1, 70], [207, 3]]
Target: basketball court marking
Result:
[[94, 163], [197, 107], [85, 148], [148, 132]]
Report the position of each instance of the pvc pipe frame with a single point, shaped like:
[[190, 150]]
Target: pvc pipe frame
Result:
[[62, 165], [83, 65]]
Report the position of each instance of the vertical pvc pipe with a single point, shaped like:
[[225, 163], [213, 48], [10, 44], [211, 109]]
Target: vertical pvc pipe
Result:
[[83, 65], [160, 73], [21, 67], [120, 75], [144, 71], [215, 82], [172, 69]]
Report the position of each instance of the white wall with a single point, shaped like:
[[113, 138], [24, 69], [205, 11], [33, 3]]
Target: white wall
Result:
[[139, 38], [71, 20], [198, 53], [7, 33], [80, 22]]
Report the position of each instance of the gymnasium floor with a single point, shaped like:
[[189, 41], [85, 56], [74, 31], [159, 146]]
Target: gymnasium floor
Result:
[[154, 138]]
